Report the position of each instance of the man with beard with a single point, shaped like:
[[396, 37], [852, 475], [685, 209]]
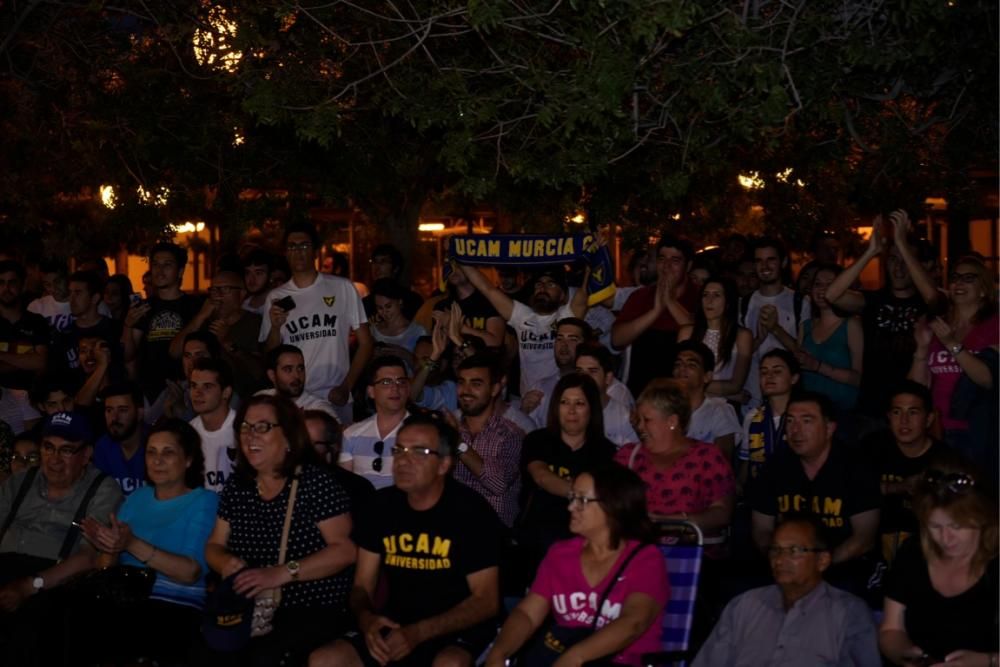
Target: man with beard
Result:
[[653, 314], [773, 305], [151, 326], [533, 324], [888, 315], [24, 336], [257, 269], [286, 369], [121, 452], [489, 452], [570, 332]]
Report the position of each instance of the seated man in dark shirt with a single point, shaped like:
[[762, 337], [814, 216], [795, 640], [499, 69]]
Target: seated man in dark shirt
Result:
[[900, 458], [437, 542], [327, 439], [814, 476]]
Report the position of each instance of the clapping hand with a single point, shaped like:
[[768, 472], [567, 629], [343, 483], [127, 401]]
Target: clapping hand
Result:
[[877, 242], [901, 227], [943, 331], [112, 539]]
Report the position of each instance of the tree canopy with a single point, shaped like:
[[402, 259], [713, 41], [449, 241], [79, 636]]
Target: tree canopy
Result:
[[638, 109]]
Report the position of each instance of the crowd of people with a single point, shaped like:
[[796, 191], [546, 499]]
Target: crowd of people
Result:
[[295, 468]]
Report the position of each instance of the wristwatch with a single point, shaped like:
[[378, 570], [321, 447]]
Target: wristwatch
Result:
[[956, 349], [463, 447], [37, 584], [293, 569]]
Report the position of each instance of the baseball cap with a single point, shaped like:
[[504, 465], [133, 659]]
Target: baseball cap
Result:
[[72, 426], [226, 622]]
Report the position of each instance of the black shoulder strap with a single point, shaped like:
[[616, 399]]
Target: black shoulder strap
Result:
[[74, 529], [22, 491], [614, 580]]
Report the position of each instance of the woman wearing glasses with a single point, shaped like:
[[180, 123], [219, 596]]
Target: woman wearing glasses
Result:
[[162, 526], [314, 579], [610, 552], [941, 594], [956, 358]]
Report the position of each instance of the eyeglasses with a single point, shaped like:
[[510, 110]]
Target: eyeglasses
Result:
[[260, 428], [222, 289], [299, 247], [580, 498], [388, 382], [377, 463], [419, 452], [957, 482], [27, 459], [967, 278], [64, 452], [775, 551]]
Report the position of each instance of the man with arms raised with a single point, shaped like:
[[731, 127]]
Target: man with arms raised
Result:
[[533, 323], [317, 313], [800, 619], [651, 317], [436, 541]]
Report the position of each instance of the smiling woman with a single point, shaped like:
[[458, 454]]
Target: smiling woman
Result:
[[246, 543]]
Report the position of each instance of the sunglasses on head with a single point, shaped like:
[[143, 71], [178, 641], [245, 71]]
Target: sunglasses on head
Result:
[[958, 483], [377, 463]]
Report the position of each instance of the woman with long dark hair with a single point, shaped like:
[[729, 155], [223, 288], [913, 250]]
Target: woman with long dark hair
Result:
[[717, 325], [572, 441]]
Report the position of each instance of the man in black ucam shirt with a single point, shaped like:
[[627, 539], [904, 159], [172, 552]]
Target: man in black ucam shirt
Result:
[[437, 541], [814, 476]]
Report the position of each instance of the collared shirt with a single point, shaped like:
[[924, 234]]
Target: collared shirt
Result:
[[359, 450], [41, 524], [499, 445], [826, 627]]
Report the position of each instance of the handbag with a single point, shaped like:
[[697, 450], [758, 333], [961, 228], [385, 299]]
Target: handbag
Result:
[[267, 602], [549, 645], [117, 585]]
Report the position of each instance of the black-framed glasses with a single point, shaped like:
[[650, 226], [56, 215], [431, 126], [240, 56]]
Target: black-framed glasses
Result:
[[299, 247], [377, 463], [419, 452], [388, 382], [65, 452], [572, 498], [958, 483], [31, 459], [222, 289], [260, 428], [774, 551]]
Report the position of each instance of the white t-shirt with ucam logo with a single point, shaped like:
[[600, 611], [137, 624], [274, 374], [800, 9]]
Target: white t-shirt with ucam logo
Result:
[[219, 448], [536, 338], [320, 325]]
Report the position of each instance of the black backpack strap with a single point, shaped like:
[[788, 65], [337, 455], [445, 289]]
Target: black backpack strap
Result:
[[81, 511], [22, 491], [797, 305]]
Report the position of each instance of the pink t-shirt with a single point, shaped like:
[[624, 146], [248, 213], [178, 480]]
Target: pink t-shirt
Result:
[[691, 484], [573, 601], [945, 371]]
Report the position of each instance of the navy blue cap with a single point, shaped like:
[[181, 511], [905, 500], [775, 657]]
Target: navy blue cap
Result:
[[226, 624]]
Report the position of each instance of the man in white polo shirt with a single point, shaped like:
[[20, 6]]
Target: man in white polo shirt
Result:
[[368, 444]]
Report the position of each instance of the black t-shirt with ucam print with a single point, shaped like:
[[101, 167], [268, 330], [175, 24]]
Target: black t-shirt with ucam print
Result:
[[427, 555]]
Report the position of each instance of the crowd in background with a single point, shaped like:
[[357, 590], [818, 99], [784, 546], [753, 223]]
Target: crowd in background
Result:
[[357, 475]]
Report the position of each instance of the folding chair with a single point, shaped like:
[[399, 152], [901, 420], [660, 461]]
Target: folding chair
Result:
[[682, 548]]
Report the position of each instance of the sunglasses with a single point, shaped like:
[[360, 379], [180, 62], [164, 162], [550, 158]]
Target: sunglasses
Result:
[[377, 463], [957, 483], [31, 459], [967, 278]]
